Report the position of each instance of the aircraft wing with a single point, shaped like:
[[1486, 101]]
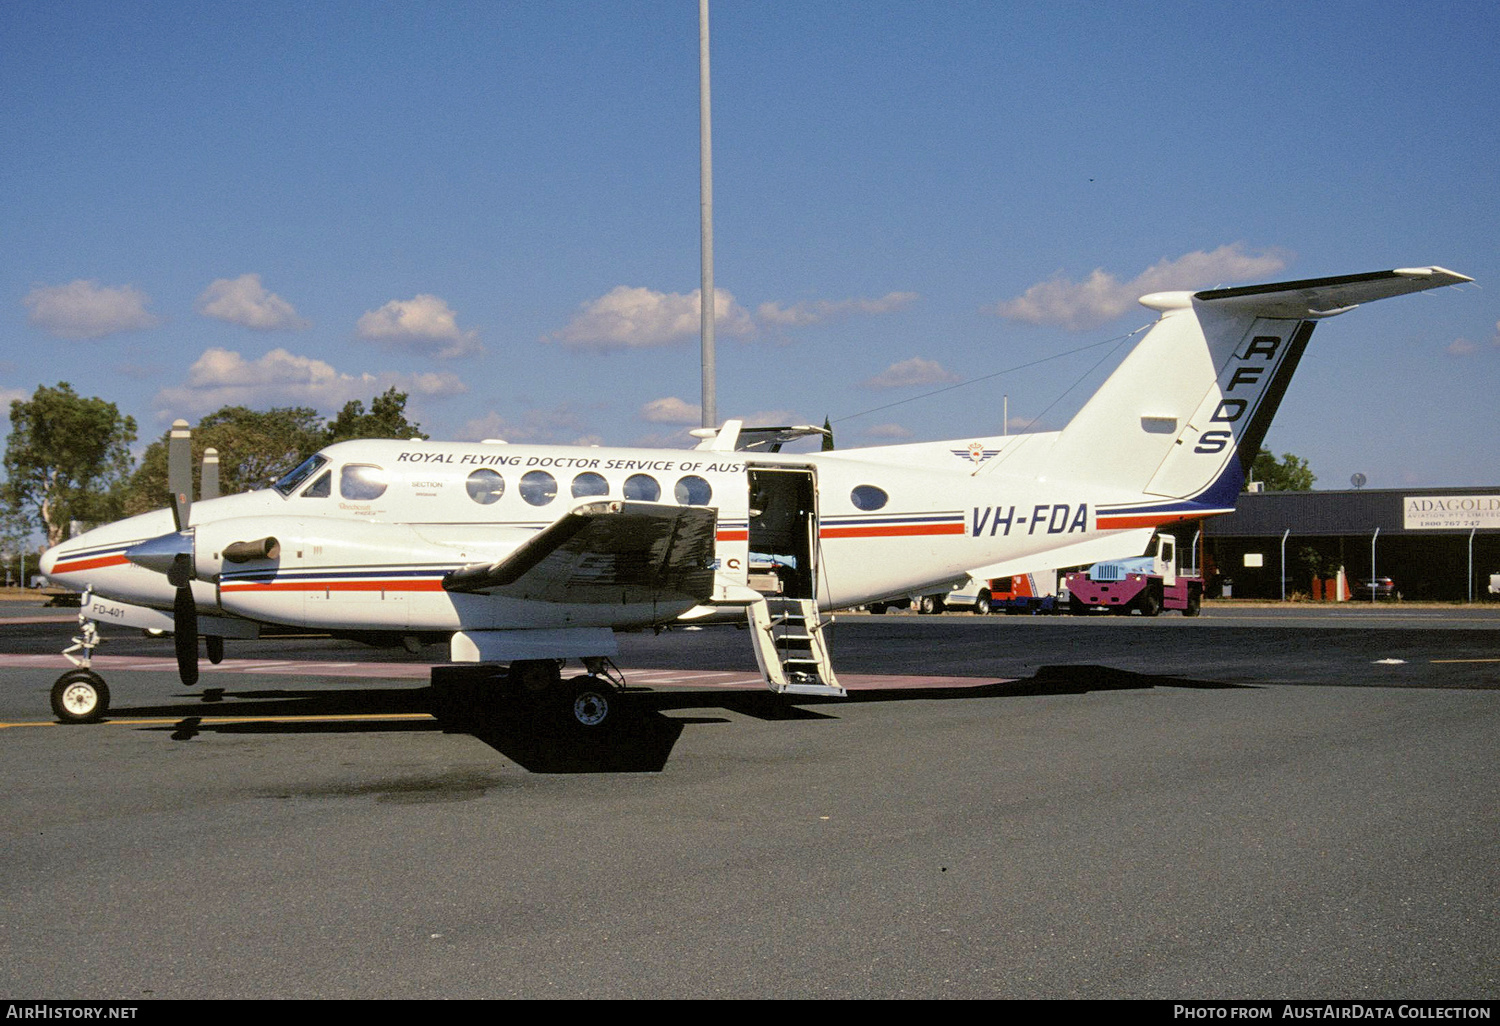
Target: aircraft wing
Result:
[[609, 551]]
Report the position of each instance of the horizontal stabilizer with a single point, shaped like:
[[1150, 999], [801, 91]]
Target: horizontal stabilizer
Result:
[[608, 551], [1324, 297], [1184, 414]]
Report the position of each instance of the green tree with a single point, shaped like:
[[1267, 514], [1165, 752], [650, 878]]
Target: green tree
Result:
[[1291, 474], [66, 459], [255, 448], [386, 419]]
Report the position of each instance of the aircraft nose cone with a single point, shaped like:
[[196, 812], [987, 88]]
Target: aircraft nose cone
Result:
[[49, 560], [161, 552]]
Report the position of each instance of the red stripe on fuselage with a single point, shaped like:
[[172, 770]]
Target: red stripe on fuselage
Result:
[[1106, 522], [89, 564], [891, 531]]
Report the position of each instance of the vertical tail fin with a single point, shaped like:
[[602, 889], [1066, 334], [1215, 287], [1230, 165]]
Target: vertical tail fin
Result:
[[1180, 420]]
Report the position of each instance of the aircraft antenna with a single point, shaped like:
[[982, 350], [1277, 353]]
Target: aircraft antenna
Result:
[[706, 220], [1116, 342]]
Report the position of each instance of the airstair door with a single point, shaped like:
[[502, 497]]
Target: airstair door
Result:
[[783, 517], [783, 541]]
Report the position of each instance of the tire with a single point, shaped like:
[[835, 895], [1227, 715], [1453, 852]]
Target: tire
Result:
[[80, 696], [877, 608], [1078, 608], [929, 604], [1149, 602], [982, 603], [1194, 603], [591, 706]]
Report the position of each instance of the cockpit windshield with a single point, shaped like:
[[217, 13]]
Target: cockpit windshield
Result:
[[288, 484]]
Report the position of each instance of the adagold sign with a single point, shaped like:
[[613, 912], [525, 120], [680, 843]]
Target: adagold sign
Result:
[[1451, 512]]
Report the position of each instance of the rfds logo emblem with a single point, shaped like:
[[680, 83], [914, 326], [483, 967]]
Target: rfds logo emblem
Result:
[[976, 453]]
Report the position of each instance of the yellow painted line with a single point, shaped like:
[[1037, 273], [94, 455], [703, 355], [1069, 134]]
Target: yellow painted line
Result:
[[212, 720], [1466, 660]]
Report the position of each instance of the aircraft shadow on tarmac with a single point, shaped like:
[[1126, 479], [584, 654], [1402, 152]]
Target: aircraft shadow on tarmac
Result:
[[640, 742]]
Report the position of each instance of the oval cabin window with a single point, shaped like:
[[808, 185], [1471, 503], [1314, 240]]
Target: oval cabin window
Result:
[[485, 486], [693, 491], [538, 488], [642, 488], [589, 483]]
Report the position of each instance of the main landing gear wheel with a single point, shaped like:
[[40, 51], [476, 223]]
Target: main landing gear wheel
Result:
[[80, 696], [591, 705]]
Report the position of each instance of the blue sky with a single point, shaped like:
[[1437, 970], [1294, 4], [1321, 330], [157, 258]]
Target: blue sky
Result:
[[494, 206]]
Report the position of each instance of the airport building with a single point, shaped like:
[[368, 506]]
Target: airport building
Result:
[[1433, 543]]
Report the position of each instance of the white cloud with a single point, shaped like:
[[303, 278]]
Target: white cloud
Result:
[[423, 323], [641, 318], [770, 418], [1461, 347], [671, 410], [815, 312], [86, 309], [561, 425], [1081, 306], [221, 377], [915, 371], [245, 301], [886, 432]]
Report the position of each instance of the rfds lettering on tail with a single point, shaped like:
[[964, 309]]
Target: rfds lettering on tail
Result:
[[522, 558]]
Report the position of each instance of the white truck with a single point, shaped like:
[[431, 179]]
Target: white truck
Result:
[[1021, 593]]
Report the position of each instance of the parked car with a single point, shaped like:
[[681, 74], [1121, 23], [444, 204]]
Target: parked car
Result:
[[1383, 587]]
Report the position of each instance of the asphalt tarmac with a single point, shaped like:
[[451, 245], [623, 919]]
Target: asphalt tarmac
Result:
[[1279, 803]]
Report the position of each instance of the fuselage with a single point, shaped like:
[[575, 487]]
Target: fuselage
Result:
[[368, 529]]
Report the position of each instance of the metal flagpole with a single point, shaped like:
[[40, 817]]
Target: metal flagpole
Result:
[[706, 206]]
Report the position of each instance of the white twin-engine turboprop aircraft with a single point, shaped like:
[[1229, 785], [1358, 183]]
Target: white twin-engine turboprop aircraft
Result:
[[525, 556]]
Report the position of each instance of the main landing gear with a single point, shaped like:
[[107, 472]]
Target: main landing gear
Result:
[[530, 691]]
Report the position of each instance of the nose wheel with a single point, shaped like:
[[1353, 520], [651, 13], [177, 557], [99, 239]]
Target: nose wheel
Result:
[[80, 696]]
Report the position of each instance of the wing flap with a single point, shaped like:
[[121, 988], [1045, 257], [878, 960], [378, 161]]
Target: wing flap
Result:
[[611, 551]]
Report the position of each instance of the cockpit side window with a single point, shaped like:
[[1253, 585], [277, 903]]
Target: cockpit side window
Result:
[[304, 470], [321, 488], [362, 482]]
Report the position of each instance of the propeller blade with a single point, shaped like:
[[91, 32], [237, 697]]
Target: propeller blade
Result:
[[180, 472], [209, 476], [181, 570], [215, 646], [185, 635]]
